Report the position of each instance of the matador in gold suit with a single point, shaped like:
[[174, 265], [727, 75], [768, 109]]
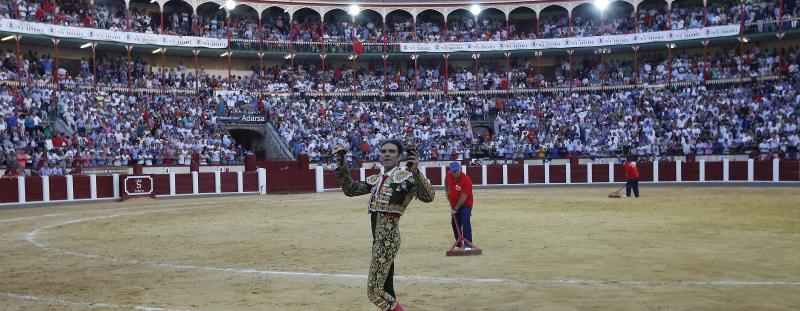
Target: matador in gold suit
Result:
[[390, 193]]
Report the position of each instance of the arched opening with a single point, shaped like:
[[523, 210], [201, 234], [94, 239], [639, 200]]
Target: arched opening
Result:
[[492, 25], [250, 140], [462, 26], [275, 24], [178, 18], [211, 17], [687, 14], [400, 26], [430, 25], [306, 26], [585, 20], [522, 23], [110, 15], [554, 22], [338, 26], [145, 16], [244, 22], [652, 16], [618, 18], [369, 26]]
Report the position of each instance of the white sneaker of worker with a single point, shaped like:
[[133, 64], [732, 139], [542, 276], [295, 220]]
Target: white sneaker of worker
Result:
[[467, 248]]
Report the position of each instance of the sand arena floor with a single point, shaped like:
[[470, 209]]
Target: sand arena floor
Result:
[[695, 248]]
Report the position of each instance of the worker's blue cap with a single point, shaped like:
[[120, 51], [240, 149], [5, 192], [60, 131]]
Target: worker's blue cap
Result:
[[455, 166]]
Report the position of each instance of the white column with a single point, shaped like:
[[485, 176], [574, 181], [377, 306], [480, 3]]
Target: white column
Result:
[[444, 173], [172, 183], [362, 174], [505, 174], [484, 178], [525, 178], [70, 188], [115, 178], [240, 182], [319, 178], [725, 170], [45, 188], [611, 172], [21, 189], [678, 171], [93, 186], [424, 171], [589, 173], [655, 171], [750, 169], [547, 172], [195, 183], [702, 170], [262, 181], [776, 170], [217, 182], [568, 170]]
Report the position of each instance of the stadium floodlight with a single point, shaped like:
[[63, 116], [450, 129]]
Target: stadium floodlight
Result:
[[7, 38], [86, 45], [475, 9], [354, 9], [230, 5], [601, 4], [156, 51]]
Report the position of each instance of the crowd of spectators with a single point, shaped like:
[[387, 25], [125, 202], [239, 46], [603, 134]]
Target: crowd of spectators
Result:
[[112, 129], [102, 129], [210, 21], [404, 77]]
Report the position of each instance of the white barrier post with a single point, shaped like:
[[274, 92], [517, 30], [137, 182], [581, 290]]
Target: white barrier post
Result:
[[195, 183], [217, 182], [444, 174], [589, 173], [262, 181], [424, 171], [655, 171], [362, 174], [547, 172], [115, 178], [678, 171], [172, 183], [319, 178], [611, 172], [45, 188], [725, 170], [21, 189], [750, 170], [505, 174], [240, 182], [702, 170], [776, 172], [93, 186], [70, 188], [568, 170], [483, 174], [525, 178]]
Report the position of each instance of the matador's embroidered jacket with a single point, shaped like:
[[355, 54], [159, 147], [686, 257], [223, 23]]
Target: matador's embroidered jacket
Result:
[[393, 195]]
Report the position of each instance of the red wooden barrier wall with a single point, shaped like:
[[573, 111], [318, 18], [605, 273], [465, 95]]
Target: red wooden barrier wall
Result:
[[10, 190], [81, 187], [516, 174], [599, 172], [58, 188]]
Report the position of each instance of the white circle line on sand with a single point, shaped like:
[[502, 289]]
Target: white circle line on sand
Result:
[[31, 238], [83, 304]]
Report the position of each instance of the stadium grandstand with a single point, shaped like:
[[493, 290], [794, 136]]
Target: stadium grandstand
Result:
[[108, 84]]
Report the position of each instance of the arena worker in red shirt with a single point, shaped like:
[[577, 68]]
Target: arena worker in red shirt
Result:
[[632, 176], [458, 187]]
